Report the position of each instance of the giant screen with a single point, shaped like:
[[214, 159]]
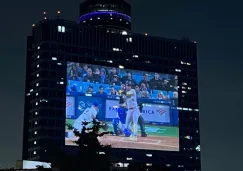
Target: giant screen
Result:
[[139, 107]]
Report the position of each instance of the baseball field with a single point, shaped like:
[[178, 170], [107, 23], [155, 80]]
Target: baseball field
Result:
[[159, 138]]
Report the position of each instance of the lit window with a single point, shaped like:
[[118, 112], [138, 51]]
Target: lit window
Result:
[[188, 63], [147, 62], [183, 91], [84, 21], [148, 164], [149, 155], [35, 132], [120, 19], [115, 49], [38, 66], [34, 152], [35, 122], [196, 110], [36, 113], [28, 94], [36, 103], [43, 100], [54, 58], [182, 62], [111, 18], [189, 88], [36, 94], [98, 18], [183, 87], [90, 18], [38, 47], [198, 148], [61, 82], [125, 164], [129, 158], [31, 90], [59, 28], [130, 39], [38, 56], [124, 33], [168, 165], [188, 137], [101, 152], [37, 84], [177, 70], [37, 75], [59, 63], [110, 61], [135, 56], [34, 142], [184, 83], [121, 67]]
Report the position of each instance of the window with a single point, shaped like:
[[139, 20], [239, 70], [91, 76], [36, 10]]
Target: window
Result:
[[34, 152], [37, 75], [36, 113], [38, 47], [36, 103], [37, 84], [61, 29], [34, 142], [54, 58], [35, 132], [36, 94], [38, 56], [38, 66]]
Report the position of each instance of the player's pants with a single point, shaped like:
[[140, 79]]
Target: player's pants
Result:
[[132, 116], [78, 124]]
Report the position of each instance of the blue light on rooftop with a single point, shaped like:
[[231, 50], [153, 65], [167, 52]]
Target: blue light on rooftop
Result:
[[102, 13]]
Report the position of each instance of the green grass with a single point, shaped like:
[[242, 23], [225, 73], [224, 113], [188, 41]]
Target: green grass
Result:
[[150, 129]]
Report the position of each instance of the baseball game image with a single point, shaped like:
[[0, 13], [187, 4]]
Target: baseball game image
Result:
[[139, 107]]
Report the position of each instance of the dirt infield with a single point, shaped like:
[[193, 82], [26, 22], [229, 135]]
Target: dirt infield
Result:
[[150, 142]]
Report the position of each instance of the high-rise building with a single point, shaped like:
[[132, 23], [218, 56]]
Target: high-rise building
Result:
[[103, 39]]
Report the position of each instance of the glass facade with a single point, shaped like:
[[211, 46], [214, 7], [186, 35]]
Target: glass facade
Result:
[[55, 42]]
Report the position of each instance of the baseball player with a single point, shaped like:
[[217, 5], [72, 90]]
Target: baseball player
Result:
[[87, 116], [133, 111], [120, 120]]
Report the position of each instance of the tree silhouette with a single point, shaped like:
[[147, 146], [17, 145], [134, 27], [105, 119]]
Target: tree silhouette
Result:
[[89, 156]]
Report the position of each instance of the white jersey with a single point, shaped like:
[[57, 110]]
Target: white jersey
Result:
[[132, 101], [88, 115]]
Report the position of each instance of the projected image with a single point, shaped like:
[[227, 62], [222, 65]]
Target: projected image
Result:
[[139, 107]]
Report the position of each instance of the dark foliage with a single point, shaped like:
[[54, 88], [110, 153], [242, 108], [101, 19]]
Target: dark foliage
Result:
[[89, 146]]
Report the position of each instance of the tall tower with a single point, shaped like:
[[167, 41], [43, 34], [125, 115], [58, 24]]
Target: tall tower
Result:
[[108, 13]]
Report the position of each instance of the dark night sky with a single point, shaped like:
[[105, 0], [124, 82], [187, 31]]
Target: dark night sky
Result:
[[217, 27]]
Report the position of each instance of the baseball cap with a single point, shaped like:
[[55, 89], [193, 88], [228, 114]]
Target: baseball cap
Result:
[[96, 103]]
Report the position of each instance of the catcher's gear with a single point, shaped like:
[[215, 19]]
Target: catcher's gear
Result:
[[115, 124]]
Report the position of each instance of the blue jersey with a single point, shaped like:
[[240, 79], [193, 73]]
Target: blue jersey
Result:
[[121, 111]]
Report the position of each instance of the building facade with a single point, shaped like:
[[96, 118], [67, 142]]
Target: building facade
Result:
[[105, 38]]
